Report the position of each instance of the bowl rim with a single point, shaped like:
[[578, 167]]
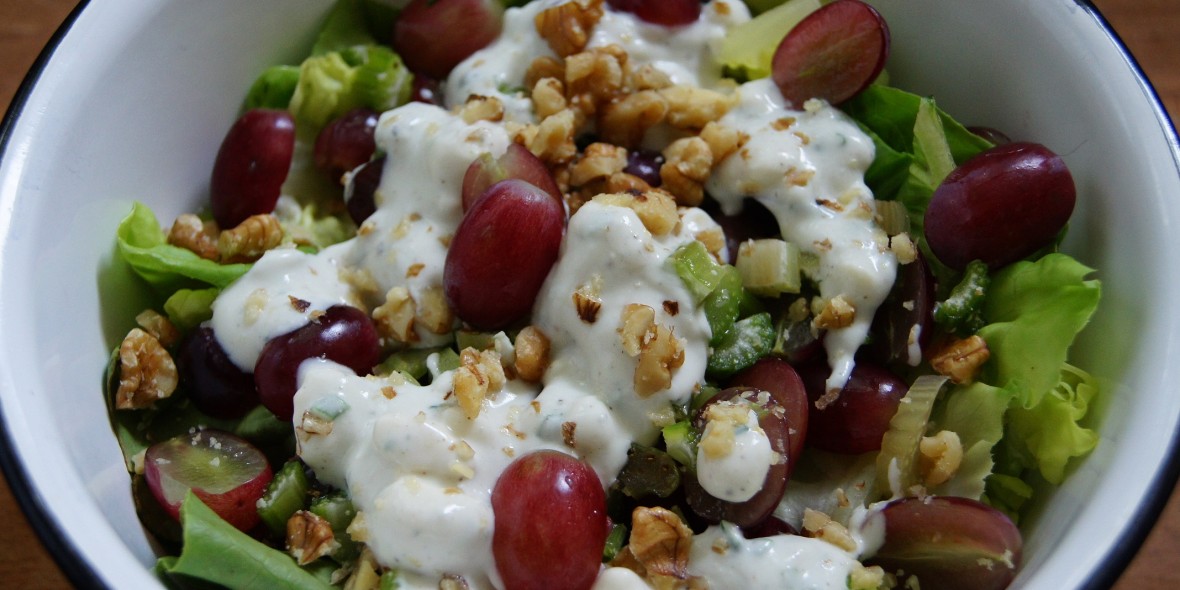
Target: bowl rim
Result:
[[83, 574]]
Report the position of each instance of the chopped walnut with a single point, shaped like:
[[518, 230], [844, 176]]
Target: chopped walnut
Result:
[[146, 372], [549, 97], [714, 241], [554, 142], [661, 354], [588, 300], [647, 77], [532, 354], [594, 78], [543, 67], [836, 313], [482, 108], [655, 209], [452, 582], [479, 374], [961, 360], [366, 573], [395, 317], [866, 578], [569, 431], [309, 537], [159, 326], [598, 160], [939, 457], [903, 248], [687, 164], [693, 107], [660, 541], [250, 239], [621, 182], [190, 233], [723, 419], [723, 140], [637, 321], [566, 27], [433, 312], [625, 121], [820, 526]]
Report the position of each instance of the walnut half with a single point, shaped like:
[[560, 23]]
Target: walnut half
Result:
[[146, 371]]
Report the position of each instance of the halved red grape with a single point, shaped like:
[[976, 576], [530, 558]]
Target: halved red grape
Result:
[[427, 90], [950, 543], [501, 253], [214, 383], [343, 334], [346, 142], [516, 162], [360, 194], [772, 420], [251, 166], [550, 523], [433, 36], [856, 421], [780, 379], [1000, 206], [227, 473], [833, 53], [670, 13]]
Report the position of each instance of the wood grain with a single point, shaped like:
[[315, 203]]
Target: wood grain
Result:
[[1148, 27]]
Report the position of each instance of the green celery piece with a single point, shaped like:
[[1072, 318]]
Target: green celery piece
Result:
[[389, 581], [339, 511], [261, 427], [411, 361], [698, 270], [448, 359], [751, 339], [962, 310], [680, 439], [345, 27], [723, 306], [273, 88], [478, 340], [286, 494], [215, 551], [615, 541], [750, 47], [1034, 311], [167, 268], [703, 396], [187, 308]]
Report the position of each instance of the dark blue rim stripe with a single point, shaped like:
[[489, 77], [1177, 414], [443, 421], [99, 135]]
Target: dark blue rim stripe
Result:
[[57, 543], [82, 575], [1128, 543]]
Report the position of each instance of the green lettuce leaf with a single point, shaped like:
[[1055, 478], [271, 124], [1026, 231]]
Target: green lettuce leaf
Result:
[[187, 308], [1049, 432], [336, 82], [975, 412], [167, 268], [215, 551], [346, 26], [1034, 310], [273, 89]]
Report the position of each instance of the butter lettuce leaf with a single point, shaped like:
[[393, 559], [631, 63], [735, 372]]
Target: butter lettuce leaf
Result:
[[336, 82], [167, 268], [1048, 433], [975, 412], [215, 551], [1034, 310]]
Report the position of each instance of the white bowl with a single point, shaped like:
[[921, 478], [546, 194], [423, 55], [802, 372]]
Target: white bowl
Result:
[[134, 99]]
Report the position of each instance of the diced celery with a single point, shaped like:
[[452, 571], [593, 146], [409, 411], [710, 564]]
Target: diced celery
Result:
[[614, 542], [273, 88], [328, 408], [478, 340], [447, 360], [899, 445], [338, 510], [681, 441], [962, 311], [411, 362], [702, 397], [750, 47], [286, 494], [722, 307], [389, 581], [769, 267], [697, 268], [751, 339]]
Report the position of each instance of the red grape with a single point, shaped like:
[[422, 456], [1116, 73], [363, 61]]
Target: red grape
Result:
[[856, 421], [550, 523], [214, 383], [516, 162], [780, 379], [227, 473], [833, 54], [360, 194], [343, 334], [950, 543], [910, 305], [426, 90], [433, 36], [670, 13], [1000, 206], [645, 164], [774, 423], [501, 253], [753, 222], [346, 142], [251, 166]]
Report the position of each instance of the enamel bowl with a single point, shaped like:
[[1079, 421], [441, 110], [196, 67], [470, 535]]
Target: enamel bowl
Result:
[[131, 101]]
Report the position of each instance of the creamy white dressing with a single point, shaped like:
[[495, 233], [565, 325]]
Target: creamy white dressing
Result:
[[737, 475], [726, 560], [807, 167]]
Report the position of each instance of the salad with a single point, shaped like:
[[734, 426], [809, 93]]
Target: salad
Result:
[[603, 294]]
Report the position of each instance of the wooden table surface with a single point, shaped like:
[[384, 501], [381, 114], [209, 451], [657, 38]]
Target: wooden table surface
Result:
[[1150, 28]]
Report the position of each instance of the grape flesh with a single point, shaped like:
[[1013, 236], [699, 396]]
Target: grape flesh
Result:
[[251, 166], [343, 334], [550, 523], [516, 162]]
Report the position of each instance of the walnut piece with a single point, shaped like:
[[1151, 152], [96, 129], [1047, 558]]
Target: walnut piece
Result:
[[479, 374], [693, 107], [588, 300], [190, 233], [395, 317], [660, 541], [836, 313], [554, 141], [566, 28], [662, 353], [939, 457], [637, 321], [598, 160], [159, 326], [961, 360], [433, 312], [688, 163], [146, 371], [309, 537], [549, 97], [821, 526], [532, 354], [250, 239], [482, 108], [625, 121], [655, 209]]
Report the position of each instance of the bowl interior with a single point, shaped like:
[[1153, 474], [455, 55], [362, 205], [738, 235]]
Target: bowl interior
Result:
[[135, 100]]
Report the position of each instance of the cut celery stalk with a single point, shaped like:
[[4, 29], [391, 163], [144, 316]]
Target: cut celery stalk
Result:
[[680, 439], [899, 446], [769, 267], [750, 47], [285, 494]]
